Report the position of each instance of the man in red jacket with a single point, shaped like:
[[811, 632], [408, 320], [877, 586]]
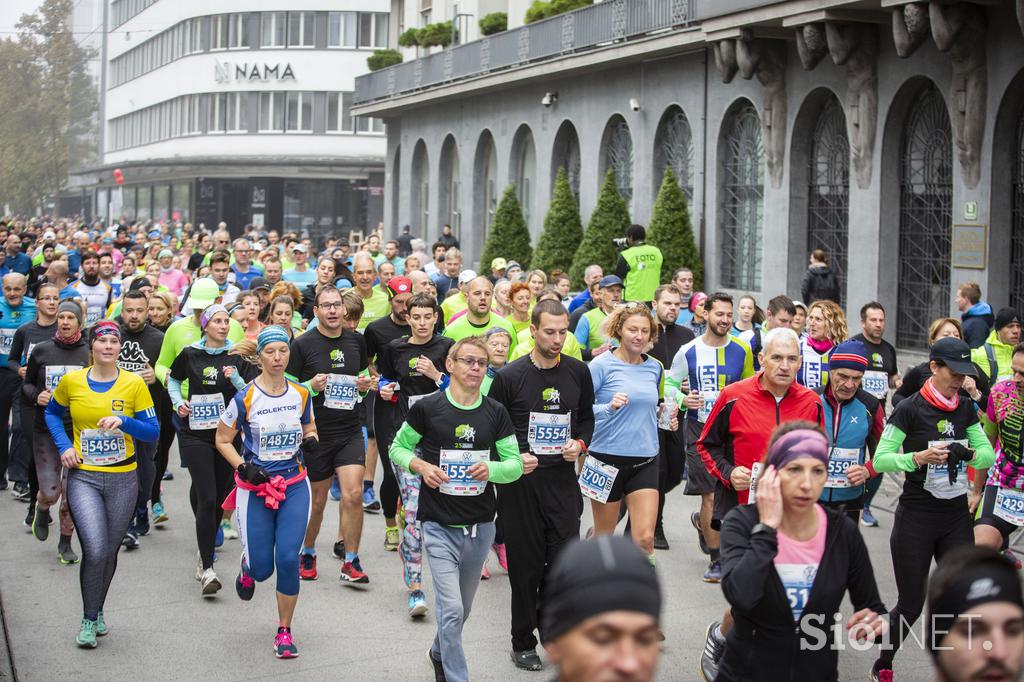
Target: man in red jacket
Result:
[[735, 439]]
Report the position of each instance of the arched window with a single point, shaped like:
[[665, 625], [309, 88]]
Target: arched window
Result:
[[420, 212], [926, 197], [451, 211], [742, 192], [1017, 228], [524, 170], [566, 154], [617, 154], [485, 178], [396, 187], [828, 192], [673, 148]]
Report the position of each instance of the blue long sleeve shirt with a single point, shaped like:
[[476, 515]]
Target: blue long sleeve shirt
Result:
[[631, 430]]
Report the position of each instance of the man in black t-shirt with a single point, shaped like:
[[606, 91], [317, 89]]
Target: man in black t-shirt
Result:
[[460, 442], [550, 398], [881, 375], [334, 361]]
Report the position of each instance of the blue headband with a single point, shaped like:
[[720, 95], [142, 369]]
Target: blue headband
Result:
[[270, 334]]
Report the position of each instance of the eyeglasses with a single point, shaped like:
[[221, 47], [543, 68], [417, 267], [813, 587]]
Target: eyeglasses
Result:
[[473, 362], [329, 306]]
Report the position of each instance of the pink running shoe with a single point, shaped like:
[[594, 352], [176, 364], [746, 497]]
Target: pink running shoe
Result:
[[284, 647], [499, 551], [485, 574]]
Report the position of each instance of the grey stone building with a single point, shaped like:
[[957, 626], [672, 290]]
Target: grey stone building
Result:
[[890, 133]]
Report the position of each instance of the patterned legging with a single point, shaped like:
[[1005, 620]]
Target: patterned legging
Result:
[[411, 549]]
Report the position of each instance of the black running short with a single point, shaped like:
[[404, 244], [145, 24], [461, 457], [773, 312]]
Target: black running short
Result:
[[635, 473], [334, 453]]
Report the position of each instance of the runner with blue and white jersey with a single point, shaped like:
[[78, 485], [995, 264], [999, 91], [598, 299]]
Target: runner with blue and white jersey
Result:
[[272, 496]]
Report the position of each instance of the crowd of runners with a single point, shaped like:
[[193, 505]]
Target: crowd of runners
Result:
[[498, 407]]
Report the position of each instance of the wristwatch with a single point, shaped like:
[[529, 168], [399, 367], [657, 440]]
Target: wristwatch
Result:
[[763, 528]]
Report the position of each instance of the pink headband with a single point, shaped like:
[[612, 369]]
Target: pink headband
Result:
[[796, 444]]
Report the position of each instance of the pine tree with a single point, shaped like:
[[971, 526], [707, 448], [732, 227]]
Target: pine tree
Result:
[[610, 220], [563, 230], [670, 231], [509, 237]]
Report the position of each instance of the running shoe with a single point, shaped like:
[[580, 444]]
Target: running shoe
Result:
[[20, 492], [335, 491], [712, 656], [229, 531], [417, 604], [391, 538], [701, 542], [284, 647], [339, 549], [370, 503], [1008, 553], [131, 539], [30, 516], [527, 660], [142, 521], [220, 537], [714, 572], [245, 586], [101, 625], [168, 476], [3, 483], [437, 667], [880, 673], [307, 566], [41, 524], [660, 541], [159, 515], [351, 574], [65, 554], [499, 551], [867, 518], [87, 634], [485, 573], [211, 583]]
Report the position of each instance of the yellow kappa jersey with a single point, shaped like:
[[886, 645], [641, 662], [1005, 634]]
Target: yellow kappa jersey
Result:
[[128, 397]]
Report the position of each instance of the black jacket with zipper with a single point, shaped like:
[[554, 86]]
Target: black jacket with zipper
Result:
[[765, 643]]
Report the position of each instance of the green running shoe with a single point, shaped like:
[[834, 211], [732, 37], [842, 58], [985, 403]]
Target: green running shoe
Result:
[[87, 634], [101, 626]]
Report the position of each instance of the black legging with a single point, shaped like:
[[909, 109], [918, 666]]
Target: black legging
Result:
[[211, 480], [671, 462], [385, 428], [167, 433], [916, 537]]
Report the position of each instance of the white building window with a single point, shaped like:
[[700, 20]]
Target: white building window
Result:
[[272, 31], [300, 29], [373, 29], [341, 29], [271, 112], [339, 116], [228, 31], [299, 116], [229, 112]]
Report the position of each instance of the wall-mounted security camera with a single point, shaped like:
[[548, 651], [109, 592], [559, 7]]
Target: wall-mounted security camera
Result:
[[634, 104], [549, 98]]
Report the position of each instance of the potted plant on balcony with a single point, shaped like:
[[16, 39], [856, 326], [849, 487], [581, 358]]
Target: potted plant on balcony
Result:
[[492, 23], [381, 59]]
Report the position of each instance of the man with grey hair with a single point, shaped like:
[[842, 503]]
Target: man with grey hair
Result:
[[591, 274], [243, 272], [735, 438], [15, 311]]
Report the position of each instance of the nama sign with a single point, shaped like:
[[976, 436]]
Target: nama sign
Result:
[[226, 72]]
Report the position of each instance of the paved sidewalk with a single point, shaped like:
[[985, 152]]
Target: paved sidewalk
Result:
[[162, 630]]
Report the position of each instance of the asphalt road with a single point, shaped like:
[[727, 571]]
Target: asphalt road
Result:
[[161, 629]]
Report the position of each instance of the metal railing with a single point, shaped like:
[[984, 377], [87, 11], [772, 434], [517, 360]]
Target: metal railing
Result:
[[586, 28]]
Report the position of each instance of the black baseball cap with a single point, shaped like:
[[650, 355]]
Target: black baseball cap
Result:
[[258, 283], [955, 354]]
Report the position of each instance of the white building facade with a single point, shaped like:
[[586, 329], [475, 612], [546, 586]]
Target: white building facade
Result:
[[240, 111]]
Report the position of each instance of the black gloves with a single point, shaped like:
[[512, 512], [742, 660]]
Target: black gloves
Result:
[[252, 474], [957, 453], [309, 445]]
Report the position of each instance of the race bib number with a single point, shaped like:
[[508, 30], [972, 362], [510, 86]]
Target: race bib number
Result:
[[6, 341], [708, 398], [1009, 506], [205, 411], [279, 443], [456, 464], [755, 473], [596, 479], [548, 433], [812, 372], [54, 373], [876, 383], [93, 315], [340, 392], [839, 460], [797, 581], [101, 447], [937, 478]]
